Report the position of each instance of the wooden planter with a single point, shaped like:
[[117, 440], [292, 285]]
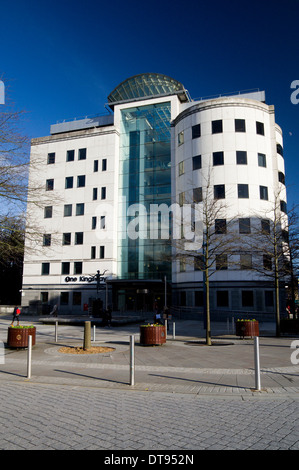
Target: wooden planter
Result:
[[18, 337], [247, 328], [152, 335]]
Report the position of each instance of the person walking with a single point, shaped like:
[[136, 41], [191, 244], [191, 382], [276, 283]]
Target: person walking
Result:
[[16, 315]]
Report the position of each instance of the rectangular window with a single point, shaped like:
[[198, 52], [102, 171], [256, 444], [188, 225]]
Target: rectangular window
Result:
[[281, 177], [265, 226], [96, 165], [217, 126], [241, 157], [49, 185], [65, 268], [243, 191], [80, 181], [199, 263], [283, 206], [182, 198], [94, 194], [78, 267], [80, 208], [196, 162], [247, 298], [70, 155], [69, 181], [240, 125], [93, 252], [244, 225], [260, 128], [218, 158], [222, 298], [64, 298], [219, 191], [197, 195], [264, 193], [66, 238], [103, 192], [47, 239], [220, 226], [104, 164], [79, 238], [77, 297], [82, 154], [45, 269], [245, 261], [102, 252], [44, 297], [182, 265], [221, 262], [269, 301], [279, 149], [67, 211], [51, 158], [198, 298], [195, 131], [93, 222], [48, 212], [261, 158], [181, 168], [181, 137], [103, 222], [267, 262]]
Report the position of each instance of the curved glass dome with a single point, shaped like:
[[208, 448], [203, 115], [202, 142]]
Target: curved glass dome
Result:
[[146, 85]]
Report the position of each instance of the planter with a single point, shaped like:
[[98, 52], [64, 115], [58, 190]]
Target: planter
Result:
[[152, 335], [247, 328], [18, 337]]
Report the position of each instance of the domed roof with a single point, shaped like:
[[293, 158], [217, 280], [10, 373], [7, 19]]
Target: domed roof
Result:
[[146, 85]]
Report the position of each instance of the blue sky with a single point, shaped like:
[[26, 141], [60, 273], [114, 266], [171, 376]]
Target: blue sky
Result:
[[61, 59]]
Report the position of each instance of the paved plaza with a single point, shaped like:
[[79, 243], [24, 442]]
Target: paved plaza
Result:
[[186, 396]]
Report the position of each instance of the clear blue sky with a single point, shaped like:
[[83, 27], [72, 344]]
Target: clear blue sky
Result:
[[61, 59]]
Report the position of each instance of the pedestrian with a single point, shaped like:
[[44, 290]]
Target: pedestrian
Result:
[[16, 315], [54, 310]]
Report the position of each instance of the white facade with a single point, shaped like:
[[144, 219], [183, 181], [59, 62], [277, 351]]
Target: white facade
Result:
[[79, 167]]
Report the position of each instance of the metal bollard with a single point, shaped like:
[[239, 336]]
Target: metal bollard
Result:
[[29, 355], [165, 324], [56, 331], [173, 330], [257, 364], [132, 360], [94, 333]]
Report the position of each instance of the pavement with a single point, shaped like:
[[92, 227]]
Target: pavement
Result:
[[185, 397]]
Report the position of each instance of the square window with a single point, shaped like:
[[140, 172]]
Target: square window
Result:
[[217, 126], [51, 158], [241, 157], [49, 185], [45, 269], [218, 158], [82, 154], [104, 164], [219, 191], [240, 125], [48, 212], [79, 238], [195, 131], [70, 155], [65, 268], [260, 128], [196, 162], [244, 225], [67, 211], [197, 195], [69, 181], [264, 193], [80, 181], [78, 267], [261, 160], [243, 191], [66, 238], [80, 208], [220, 226]]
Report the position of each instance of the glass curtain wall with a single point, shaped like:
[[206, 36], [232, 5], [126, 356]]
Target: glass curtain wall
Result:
[[145, 179]]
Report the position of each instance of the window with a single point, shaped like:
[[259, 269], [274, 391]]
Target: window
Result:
[[93, 223], [44, 297], [241, 157], [265, 226], [195, 131], [196, 162], [103, 192], [182, 265], [77, 297], [222, 298], [181, 137], [181, 168], [80, 181], [264, 193], [217, 126], [80, 208], [45, 269], [49, 185], [69, 181], [51, 158], [281, 177], [82, 154], [103, 222], [102, 252], [47, 239], [247, 298], [279, 149], [197, 195], [260, 128], [221, 262], [198, 298], [65, 268], [267, 262], [64, 298], [218, 158], [220, 226], [67, 211], [78, 267], [48, 212], [104, 164], [245, 261], [70, 155], [219, 191], [199, 263], [243, 191], [283, 206], [79, 238], [94, 194], [244, 225], [269, 301], [93, 252], [182, 198], [240, 125], [66, 238], [96, 165], [261, 159]]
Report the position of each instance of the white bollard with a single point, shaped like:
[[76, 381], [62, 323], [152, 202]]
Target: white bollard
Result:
[[165, 324], [94, 333], [29, 355], [173, 330], [56, 331], [132, 360], [257, 364]]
